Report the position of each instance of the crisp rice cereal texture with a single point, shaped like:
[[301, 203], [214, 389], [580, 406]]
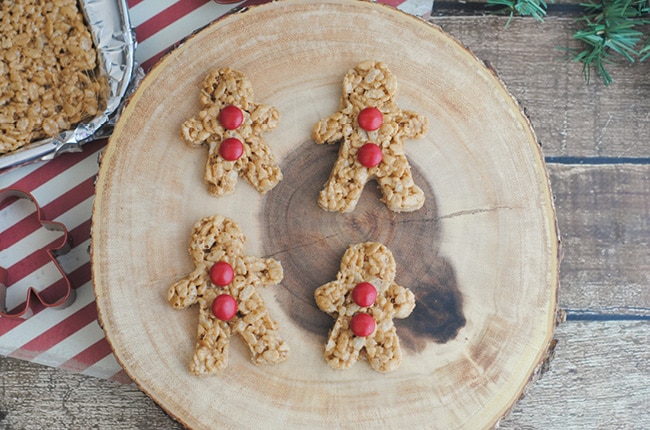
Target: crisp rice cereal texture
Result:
[[223, 87], [48, 81], [370, 84], [215, 239], [374, 263]]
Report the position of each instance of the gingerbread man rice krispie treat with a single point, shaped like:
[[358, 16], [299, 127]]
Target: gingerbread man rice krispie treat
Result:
[[224, 284], [371, 131], [364, 299], [230, 124]]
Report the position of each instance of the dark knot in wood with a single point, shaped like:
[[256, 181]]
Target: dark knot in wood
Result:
[[310, 243]]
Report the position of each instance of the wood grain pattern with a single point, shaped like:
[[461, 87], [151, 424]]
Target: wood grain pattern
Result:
[[488, 233], [575, 394], [599, 376], [604, 213], [571, 119], [597, 380]]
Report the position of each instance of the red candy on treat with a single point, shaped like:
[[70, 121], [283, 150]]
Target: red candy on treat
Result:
[[231, 149], [231, 117], [221, 273], [362, 325], [364, 294], [370, 155], [224, 307], [370, 119]]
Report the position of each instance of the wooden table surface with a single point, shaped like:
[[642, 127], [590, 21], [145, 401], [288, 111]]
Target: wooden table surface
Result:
[[596, 143]]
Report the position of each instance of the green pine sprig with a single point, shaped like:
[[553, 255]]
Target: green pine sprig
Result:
[[645, 52], [611, 29], [532, 8]]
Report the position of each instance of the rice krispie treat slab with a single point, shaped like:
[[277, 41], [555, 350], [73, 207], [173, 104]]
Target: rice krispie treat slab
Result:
[[479, 256], [48, 73]]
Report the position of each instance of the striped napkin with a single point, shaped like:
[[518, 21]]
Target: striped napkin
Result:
[[71, 338]]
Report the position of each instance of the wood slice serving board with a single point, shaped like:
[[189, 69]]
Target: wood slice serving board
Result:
[[481, 256]]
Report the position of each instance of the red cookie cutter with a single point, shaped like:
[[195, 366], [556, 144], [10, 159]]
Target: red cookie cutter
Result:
[[59, 294]]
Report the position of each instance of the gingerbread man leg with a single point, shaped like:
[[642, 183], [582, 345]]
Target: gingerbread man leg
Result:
[[399, 191], [261, 171], [259, 331], [382, 355], [343, 348], [256, 327], [220, 176], [212, 344], [343, 189]]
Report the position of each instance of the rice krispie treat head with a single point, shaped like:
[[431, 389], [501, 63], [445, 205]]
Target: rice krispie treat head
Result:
[[231, 125], [212, 241], [223, 87], [370, 129], [369, 82], [364, 299], [224, 284]]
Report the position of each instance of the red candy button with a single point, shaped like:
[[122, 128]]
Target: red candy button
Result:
[[370, 119], [231, 149], [364, 294], [224, 307], [221, 274], [231, 117], [370, 155], [362, 325]]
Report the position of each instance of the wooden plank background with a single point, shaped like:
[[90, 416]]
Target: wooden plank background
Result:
[[596, 143]]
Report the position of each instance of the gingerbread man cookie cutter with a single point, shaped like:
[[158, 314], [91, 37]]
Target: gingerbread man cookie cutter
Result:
[[371, 130], [58, 295], [231, 124], [364, 299], [224, 284]]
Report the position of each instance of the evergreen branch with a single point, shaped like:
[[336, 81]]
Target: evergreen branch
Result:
[[611, 28], [645, 52], [533, 8]]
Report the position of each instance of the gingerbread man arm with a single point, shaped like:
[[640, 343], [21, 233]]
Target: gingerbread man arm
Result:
[[412, 125], [193, 132], [264, 117], [186, 291], [198, 130], [403, 300], [332, 129], [330, 297], [264, 271]]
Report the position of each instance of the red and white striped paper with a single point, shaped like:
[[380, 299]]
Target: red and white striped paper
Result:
[[71, 338]]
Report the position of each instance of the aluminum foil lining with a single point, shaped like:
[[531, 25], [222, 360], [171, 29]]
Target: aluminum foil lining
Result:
[[115, 41]]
